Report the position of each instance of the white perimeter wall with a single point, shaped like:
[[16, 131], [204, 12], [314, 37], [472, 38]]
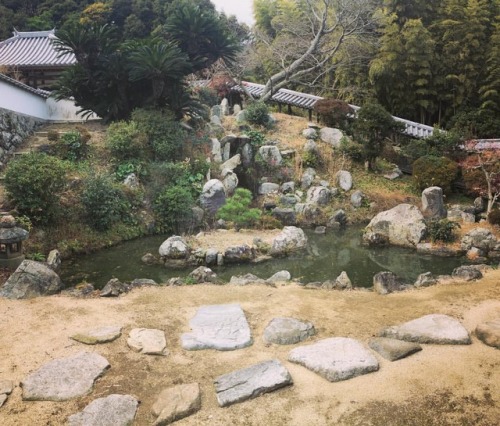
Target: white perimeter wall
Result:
[[19, 100]]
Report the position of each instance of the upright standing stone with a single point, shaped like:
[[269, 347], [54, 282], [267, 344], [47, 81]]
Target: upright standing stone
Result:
[[335, 359], [216, 150], [213, 196], [251, 382], [113, 410], [224, 105], [221, 327], [344, 180], [432, 203]]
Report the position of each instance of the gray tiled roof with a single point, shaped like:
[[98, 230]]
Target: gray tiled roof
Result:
[[33, 49], [39, 92]]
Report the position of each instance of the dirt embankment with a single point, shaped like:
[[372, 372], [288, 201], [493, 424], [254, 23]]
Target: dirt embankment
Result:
[[441, 385]]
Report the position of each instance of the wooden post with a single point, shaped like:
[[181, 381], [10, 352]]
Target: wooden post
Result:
[[279, 108], [289, 109], [310, 114]]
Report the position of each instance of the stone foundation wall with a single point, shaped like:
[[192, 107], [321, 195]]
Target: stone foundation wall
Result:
[[14, 129]]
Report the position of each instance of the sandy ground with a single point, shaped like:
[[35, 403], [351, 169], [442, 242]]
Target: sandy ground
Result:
[[441, 385], [224, 238]]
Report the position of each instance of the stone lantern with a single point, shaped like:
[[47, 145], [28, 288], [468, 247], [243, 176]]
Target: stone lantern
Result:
[[11, 242]]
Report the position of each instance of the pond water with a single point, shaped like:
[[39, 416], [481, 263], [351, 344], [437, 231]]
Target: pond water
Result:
[[331, 254]]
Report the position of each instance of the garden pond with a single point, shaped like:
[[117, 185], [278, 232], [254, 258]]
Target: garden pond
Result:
[[330, 254]]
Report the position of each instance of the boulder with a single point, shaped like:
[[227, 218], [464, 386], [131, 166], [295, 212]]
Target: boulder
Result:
[[176, 402], [311, 213], [291, 239], [98, 335], [433, 204], [308, 178], [220, 327], [311, 147], [331, 136], [148, 341], [393, 349], [357, 198], [174, 248], [402, 225], [224, 105], [271, 155], [114, 287], [387, 282], [54, 260], [231, 164], [320, 230], [213, 196], [310, 133], [216, 121], [245, 279], [285, 216], [202, 274], [343, 282], [335, 359], [288, 331], [489, 333], [247, 155], [467, 273], [268, 188], [6, 387], [318, 195], [65, 378], [31, 279], [236, 109], [279, 276], [216, 150], [288, 187], [239, 254], [344, 180], [116, 410], [216, 110], [481, 238], [132, 181], [425, 280], [211, 256], [230, 182], [251, 382], [338, 219], [479, 205], [241, 117], [433, 329]]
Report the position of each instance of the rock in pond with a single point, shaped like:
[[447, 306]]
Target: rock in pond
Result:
[[176, 402], [174, 248], [31, 279], [435, 328], [387, 282], [288, 331], [279, 276], [425, 280], [65, 378], [251, 382], [221, 327], [246, 279], [489, 333], [239, 254], [467, 273], [291, 239], [98, 335], [202, 274], [113, 410], [114, 287], [335, 359], [393, 349], [148, 341]]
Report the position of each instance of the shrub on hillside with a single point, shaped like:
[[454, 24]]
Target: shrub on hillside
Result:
[[257, 113], [125, 142], [103, 201], [237, 209], [163, 133], [34, 183], [172, 208], [208, 96], [73, 146], [333, 112], [442, 230], [434, 171]]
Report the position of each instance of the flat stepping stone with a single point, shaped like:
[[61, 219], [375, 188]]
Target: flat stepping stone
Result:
[[3, 398], [114, 410], [65, 378], [221, 327], [251, 382], [335, 359], [99, 335], [489, 333], [6, 386], [288, 331], [176, 402], [434, 328], [148, 341], [393, 349]]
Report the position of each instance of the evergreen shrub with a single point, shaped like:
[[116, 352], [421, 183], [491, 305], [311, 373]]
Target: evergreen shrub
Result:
[[430, 170], [237, 209], [257, 113]]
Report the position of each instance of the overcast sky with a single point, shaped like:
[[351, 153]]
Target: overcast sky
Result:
[[241, 8]]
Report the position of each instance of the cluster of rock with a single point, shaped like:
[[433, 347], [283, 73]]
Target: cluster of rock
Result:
[[225, 328]]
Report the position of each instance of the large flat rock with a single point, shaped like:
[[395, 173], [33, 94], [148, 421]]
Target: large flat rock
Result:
[[434, 328], [148, 341], [251, 382], [288, 331], [114, 410], [489, 333], [393, 349], [65, 378], [98, 335], [176, 402], [221, 327], [336, 358]]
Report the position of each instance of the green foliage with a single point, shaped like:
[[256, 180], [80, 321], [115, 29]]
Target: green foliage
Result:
[[24, 222], [476, 123], [439, 144], [164, 135], [434, 171], [352, 149], [494, 217], [34, 183], [207, 96], [172, 208], [257, 113], [124, 169], [237, 209], [103, 202], [442, 230], [53, 135], [257, 139], [310, 159], [72, 146], [333, 112], [125, 142]]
